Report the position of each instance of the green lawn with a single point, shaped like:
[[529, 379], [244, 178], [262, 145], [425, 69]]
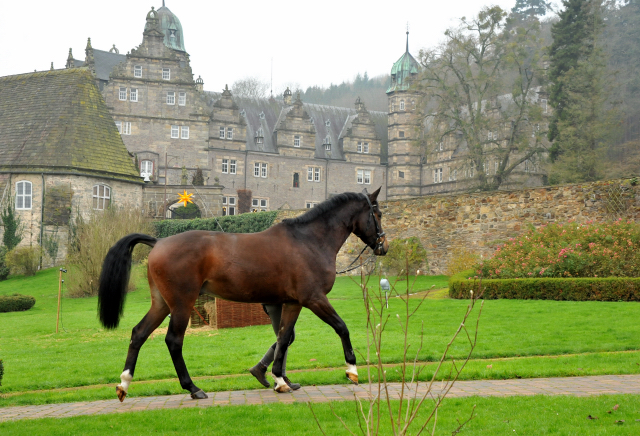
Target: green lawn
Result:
[[493, 416], [83, 354]]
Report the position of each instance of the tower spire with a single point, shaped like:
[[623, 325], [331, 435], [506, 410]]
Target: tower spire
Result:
[[407, 37]]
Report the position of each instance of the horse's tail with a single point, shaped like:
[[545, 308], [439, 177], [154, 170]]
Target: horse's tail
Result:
[[114, 278]]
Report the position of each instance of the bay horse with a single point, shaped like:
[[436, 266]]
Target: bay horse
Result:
[[292, 263]]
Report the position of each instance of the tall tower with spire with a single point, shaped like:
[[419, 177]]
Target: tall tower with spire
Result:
[[405, 163]]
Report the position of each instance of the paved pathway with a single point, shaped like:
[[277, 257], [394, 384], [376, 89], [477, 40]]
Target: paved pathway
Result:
[[578, 386]]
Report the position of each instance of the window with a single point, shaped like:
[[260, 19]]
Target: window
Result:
[[364, 177], [297, 141], [363, 147], [229, 166], [490, 136], [437, 175], [23, 195], [122, 95], [327, 143], [313, 174], [472, 171], [225, 166], [126, 128], [259, 204], [393, 107], [166, 74], [182, 99], [101, 197], [184, 132], [232, 166], [119, 126], [171, 97], [441, 146], [230, 133], [401, 174], [401, 105], [260, 170], [146, 168], [259, 136], [175, 131], [543, 103], [228, 206], [133, 95], [453, 175], [401, 133], [296, 180], [222, 133], [311, 204], [172, 33], [137, 71]]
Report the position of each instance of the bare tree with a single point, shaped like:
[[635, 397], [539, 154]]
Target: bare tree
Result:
[[250, 87], [480, 90]]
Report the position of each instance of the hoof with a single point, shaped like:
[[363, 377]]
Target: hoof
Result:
[[199, 395], [121, 393], [352, 377], [283, 389]]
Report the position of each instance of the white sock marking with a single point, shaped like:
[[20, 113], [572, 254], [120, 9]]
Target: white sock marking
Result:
[[279, 383], [125, 379], [351, 369]]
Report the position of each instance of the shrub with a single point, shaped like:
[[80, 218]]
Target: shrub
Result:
[[92, 240], [198, 178], [1, 371], [404, 253], [23, 260], [461, 260], [16, 303], [189, 211], [4, 269], [245, 223], [569, 250], [50, 244], [549, 288]]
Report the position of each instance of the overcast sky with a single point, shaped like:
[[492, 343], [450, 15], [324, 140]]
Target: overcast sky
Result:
[[311, 43]]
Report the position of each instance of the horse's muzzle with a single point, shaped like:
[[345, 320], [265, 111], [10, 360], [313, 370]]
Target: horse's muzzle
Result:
[[382, 249]]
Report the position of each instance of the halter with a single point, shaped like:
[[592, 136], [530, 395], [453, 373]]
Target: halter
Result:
[[379, 233]]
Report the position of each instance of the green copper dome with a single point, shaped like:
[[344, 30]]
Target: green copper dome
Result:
[[402, 70], [172, 29]]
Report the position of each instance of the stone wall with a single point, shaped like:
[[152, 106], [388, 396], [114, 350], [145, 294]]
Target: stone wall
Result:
[[480, 221]]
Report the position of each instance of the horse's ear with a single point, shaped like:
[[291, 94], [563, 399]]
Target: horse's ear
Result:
[[373, 196]]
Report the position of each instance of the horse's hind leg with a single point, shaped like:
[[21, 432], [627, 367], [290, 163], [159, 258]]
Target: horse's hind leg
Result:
[[175, 339], [325, 311], [158, 312], [290, 313]]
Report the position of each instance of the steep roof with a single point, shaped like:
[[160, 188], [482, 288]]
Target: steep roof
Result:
[[104, 62], [57, 121], [172, 29]]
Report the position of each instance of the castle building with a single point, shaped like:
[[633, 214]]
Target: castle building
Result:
[[265, 154]]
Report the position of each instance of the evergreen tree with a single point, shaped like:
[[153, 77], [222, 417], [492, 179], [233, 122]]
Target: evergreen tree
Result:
[[573, 42], [12, 229], [582, 125], [198, 178], [531, 7]]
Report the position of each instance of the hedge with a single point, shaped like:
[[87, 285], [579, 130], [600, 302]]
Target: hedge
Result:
[[568, 289], [244, 223], [16, 302]]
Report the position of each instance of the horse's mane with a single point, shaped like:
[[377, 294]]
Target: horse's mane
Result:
[[324, 207]]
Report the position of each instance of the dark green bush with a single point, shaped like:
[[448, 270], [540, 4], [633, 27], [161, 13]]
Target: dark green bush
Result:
[[244, 223], [4, 269], [16, 302], [1, 371], [548, 288], [402, 252]]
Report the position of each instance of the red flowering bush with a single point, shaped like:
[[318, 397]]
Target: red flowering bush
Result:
[[568, 250]]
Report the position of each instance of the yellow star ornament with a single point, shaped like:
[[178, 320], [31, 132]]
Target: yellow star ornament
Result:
[[185, 198]]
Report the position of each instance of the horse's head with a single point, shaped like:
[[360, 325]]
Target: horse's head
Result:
[[368, 225]]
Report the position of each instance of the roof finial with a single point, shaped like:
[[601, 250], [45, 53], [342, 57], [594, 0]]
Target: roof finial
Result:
[[407, 37]]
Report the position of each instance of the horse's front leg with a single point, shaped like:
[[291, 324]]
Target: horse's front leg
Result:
[[325, 311], [290, 313]]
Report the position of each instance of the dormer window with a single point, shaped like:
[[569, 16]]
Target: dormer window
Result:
[[172, 33], [262, 116], [327, 123], [327, 143], [259, 136]]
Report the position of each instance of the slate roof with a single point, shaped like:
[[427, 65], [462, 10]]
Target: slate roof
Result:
[[104, 61], [57, 121], [268, 113]]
